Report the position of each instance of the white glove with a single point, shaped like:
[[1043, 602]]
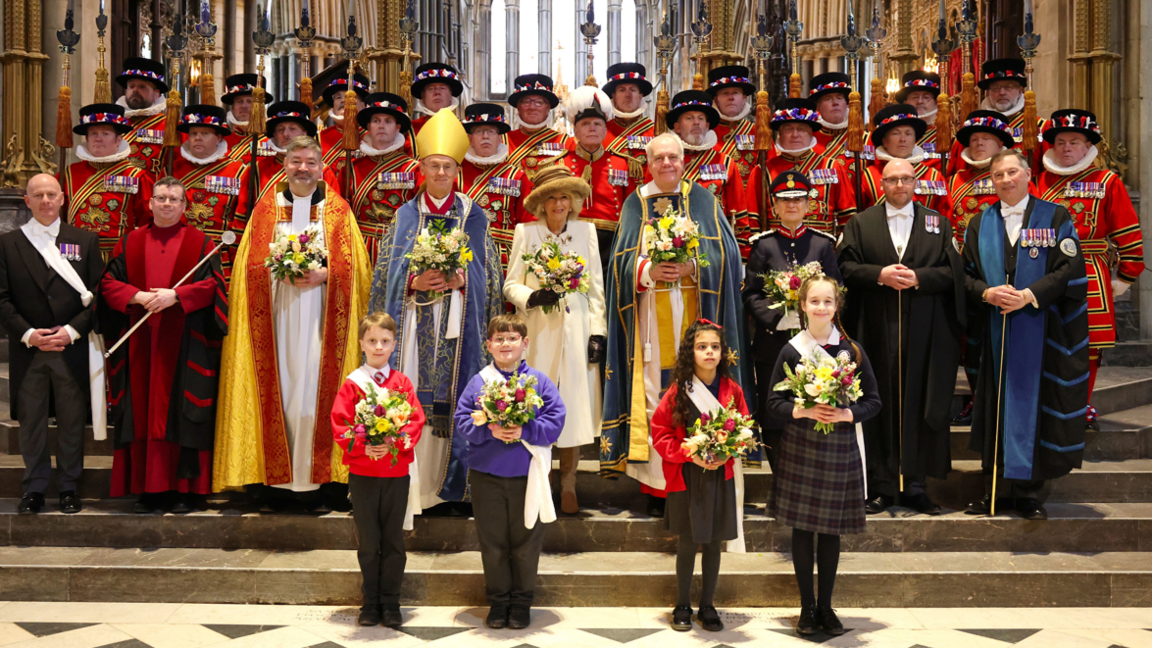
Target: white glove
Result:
[[1119, 287], [789, 322]]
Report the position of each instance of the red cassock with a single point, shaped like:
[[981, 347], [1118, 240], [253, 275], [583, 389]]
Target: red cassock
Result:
[[147, 141], [631, 138], [110, 199], [163, 389], [531, 150], [834, 202], [931, 190], [381, 184], [718, 174], [500, 190], [737, 141], [215, 192]]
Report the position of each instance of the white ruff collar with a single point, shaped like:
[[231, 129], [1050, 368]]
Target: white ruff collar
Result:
[[421, 108], [236, 123], [743, 113], [221, 151], [916, 158], [275, 149], [1016, 107], [396, 144], [709, 142], [799, 151], [1052, 165], [830, 126], [982, 164], [154, 109], [929, 117], [533, 127], [620, 114], [498, 157], [122, 153]]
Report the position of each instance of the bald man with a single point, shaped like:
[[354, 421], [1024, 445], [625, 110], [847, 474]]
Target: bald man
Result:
[[905, 286], [48, 270]]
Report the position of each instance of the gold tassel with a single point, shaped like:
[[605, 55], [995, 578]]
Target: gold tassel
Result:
[[257, 118], [306, 94], [406, 90], [794, 82], [207, 89], [171, 119], [1031, 129], [103, 93], [698, 81], [591, 81], [943, 124], [970, 99], [351, 130], [661, 117], [855, 137], [64, 118], [763, 119], [586, 174], [879, 100]]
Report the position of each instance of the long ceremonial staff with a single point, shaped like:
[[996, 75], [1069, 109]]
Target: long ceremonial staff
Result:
[[68, 40], [1029, 41], [351, 45], [665, 44], [794, 28], [762, 45], [970, 100], [876, 33], [408, 27], [852, 43], [206, 30], [102, 93], [304, 34], [176, 44], [263, 39], [943, 47], [701, 33], [591, 32], [999, 397], [227, 238]]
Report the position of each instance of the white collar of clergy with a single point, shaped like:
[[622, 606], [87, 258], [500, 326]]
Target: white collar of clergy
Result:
[[1052, 165], [807, 345], [709, 143], [286, 197], [975, 164], [122, 153], [366, 375], [221, 151], [498, 157], [1016, 107], [432, 202], [917, 156], [651, 189], [236, 124], [368, 149], [833, 127], [154, 109], [731, 121]]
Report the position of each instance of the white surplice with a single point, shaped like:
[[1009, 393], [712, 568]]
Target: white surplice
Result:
[[298, 317], [558, 341]]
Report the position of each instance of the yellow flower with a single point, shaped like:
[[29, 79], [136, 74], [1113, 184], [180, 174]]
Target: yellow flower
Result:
[[824, 373], [693, 244], [553, 263], [466, 255], [581, 261], [666, 222], [382, 425]]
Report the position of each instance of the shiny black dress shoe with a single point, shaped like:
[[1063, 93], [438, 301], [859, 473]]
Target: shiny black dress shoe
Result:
[[70, 502], [807, 625], [181, 504], [148, 503], [982, 506], [709, 619], [965, 416], [921, 504], [369, 615], [682, 618], [828, 621], [1030, 508], [656, 506], [30, 504], [878, 504], [497, 618], [519, 617], [392, 618]]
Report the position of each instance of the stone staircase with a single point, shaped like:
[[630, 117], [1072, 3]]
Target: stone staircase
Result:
[[1095, 550]]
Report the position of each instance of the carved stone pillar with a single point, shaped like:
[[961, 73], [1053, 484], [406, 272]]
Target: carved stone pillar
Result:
[[905, 56], [388, 55], [544, 39], [614, 35], [23, 150], [512, 39], [1082, 44]]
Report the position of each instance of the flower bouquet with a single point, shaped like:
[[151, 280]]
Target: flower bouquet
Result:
[[673, 238], [291, 256], [783, 286], [822, 380], [561, 272], [380, 419], [722, 435], [510, 403], [440, 248]]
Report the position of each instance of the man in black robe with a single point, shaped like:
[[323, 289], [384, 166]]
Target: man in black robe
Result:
[[904, 282], [1026, 286]]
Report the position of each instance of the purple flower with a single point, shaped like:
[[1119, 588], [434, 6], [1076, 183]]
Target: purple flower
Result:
[[579, 268], [678, 242], [729, 425], [794, 282], [379, 410], [501, 405], [303, 239], [520, 395]]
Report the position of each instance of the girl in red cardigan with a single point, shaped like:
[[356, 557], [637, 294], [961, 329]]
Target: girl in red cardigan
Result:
[[701, 506], [380, 489]]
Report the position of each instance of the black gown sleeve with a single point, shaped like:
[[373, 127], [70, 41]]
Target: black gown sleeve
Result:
[[857, 273], [781, 403]]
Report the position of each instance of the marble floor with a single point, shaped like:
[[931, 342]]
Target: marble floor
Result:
[[131, 625]]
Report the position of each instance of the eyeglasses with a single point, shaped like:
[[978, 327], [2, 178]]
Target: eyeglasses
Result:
[[892, 182], [532, 102], [506, 340], [165, 200]]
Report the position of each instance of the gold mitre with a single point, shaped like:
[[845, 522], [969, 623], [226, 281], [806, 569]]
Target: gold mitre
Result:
[[443, 135]]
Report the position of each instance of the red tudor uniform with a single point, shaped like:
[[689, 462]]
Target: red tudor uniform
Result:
[[109, 195], [629, 133], [146, 138], [931, 190], [426, 75], [530, 150], [736, 139], [1103, 211], [970, 187], [332, 137], [239, 142]]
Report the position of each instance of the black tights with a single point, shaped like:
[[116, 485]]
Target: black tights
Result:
[[710, 566], [827, 558]]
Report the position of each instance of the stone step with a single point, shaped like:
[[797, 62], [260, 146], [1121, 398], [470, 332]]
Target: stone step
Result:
[[1132, 353], [4, 383], [234, 525], [325, 577]]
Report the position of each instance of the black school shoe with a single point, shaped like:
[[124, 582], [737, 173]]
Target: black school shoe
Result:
[[682, 618], [709, 619], [1030, 508], [30, 504], [369, 615], [807, 625], [497, 618], [828, 621], [519, 617], [921, 503], [392, 618], [879, 504]]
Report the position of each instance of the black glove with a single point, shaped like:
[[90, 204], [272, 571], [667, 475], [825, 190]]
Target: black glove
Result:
[[543, 298], [597, 345]]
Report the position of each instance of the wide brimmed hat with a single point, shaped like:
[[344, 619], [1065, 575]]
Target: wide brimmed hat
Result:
[[627, 73], [986, 121], [436, 73], [204, 116], [554, 179], [800, 111], [360, 85], [896, 115], [240, 85], [102, 114], [290, 111], [918, 80], [1072, 121], [1003, 69], [533, 84], [692, 100], [443, 134], [486, 114], [828, 82], [142, 68], [791, 184], [730, 76], [384, 103]]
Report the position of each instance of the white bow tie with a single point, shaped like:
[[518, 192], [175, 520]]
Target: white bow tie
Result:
[[1013, 211], [49, 231]]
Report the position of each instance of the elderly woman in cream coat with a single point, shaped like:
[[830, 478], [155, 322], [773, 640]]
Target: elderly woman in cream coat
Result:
[[569, 342]]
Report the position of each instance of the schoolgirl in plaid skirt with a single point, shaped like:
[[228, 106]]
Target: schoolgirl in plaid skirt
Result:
[[819, 481]]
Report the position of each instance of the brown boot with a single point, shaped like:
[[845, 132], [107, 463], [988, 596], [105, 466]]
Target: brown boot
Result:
[[569, 457]]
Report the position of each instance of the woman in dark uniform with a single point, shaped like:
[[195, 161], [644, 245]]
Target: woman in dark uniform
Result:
[[792, 244]]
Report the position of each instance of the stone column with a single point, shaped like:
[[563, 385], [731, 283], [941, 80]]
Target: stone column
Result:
[[614, 35], [512, 39], [21, 142], [544, 39], [905, 56], [250, 21], [388, 56], [481, 85], [582, 70], [644, 40]]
